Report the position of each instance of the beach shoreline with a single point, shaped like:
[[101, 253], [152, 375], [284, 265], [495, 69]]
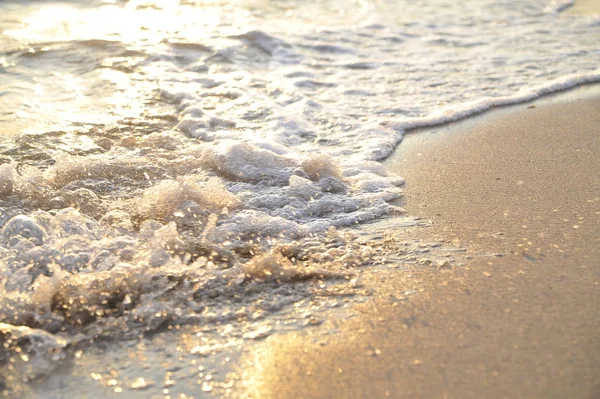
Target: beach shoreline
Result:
[[517, 188], [513, 321], [194, 200]]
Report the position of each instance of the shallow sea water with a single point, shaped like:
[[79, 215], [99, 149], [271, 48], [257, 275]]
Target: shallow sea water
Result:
[[216, 163]]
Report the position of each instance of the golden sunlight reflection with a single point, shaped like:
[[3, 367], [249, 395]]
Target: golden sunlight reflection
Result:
[[102, 65], [136, 22], [259, 369], [89, 63]]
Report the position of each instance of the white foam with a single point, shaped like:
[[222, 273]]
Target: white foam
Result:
[[246, 162], [6, 180], [161, 201], [457, 112]]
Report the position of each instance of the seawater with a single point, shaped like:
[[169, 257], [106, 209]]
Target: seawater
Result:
[[198, 162]]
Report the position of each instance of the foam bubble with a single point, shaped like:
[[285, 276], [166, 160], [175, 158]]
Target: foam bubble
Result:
[[247, 162], [322, 165], [6, 180], [22, 228], [161, 201], [34, 352]]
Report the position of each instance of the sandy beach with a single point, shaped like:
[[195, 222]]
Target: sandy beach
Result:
[[520, 183], [585, 7]]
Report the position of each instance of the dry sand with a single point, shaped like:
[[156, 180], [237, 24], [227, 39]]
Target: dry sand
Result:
[[523, 182]]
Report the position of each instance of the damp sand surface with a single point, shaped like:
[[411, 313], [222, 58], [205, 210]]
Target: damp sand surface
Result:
[[519, 183], [585, 7]]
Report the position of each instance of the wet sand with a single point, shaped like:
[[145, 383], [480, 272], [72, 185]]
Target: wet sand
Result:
[[585, 7], [521, 182]]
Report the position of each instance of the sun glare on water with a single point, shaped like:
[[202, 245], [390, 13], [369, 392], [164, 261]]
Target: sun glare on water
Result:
[[136, 21], [90, 66]]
